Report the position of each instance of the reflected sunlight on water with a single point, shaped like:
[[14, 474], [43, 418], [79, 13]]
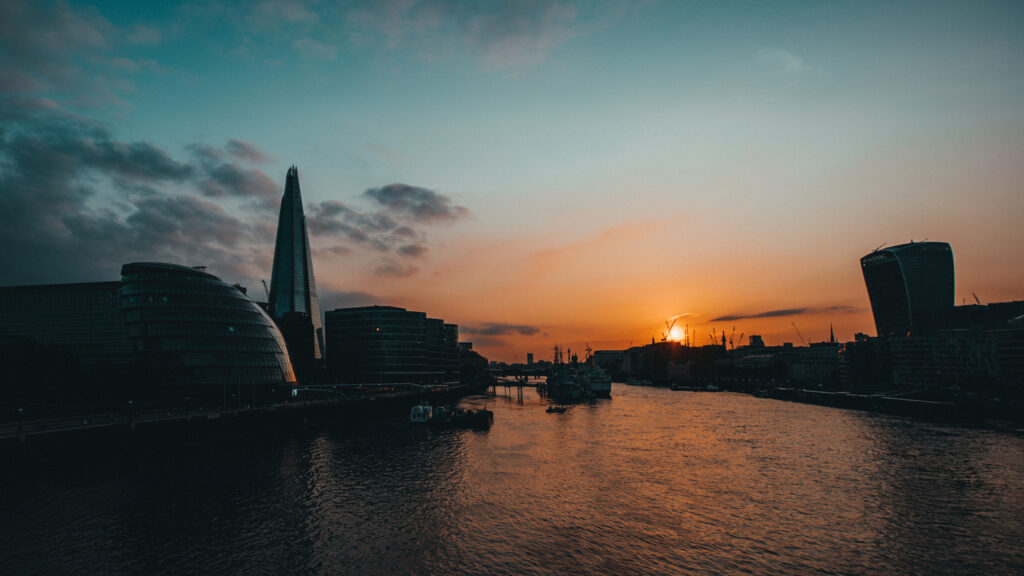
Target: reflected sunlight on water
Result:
[[649, 482]]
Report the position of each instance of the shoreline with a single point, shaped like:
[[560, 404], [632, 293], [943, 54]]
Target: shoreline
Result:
[[171, 423]]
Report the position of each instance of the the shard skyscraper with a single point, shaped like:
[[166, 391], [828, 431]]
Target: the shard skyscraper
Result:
[[293, 301]]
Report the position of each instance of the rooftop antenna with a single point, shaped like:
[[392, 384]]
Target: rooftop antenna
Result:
[[880, 246]]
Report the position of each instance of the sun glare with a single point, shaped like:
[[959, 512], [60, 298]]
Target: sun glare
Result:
[[676, 334]]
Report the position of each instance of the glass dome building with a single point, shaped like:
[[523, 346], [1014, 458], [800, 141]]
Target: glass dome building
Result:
[[189, 326], [165, 335]]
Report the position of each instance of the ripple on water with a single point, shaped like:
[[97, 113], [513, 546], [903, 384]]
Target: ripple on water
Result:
[[649, 482]]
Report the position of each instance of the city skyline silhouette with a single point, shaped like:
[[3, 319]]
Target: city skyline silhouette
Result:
[[536, 173]]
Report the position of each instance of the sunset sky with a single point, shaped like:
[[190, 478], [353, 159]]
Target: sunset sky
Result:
[[538, 173]]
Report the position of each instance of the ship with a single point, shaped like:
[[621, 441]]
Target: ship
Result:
[[574, 380]]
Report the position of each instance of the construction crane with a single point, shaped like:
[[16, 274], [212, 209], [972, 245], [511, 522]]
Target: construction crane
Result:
[[732, 343], [266, 291], [976, 298], [799, 334]]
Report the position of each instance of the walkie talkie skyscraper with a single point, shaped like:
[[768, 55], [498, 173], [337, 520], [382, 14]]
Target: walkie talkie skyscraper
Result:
[[293, 301]]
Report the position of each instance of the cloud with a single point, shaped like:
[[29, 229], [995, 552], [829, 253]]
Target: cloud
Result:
[[502, 35], [418, 203], [310, 48], [273, 13], [783, 60], [395, 223], [222, 178], [247, 151], [385, 154], [412, 250], [841, 309], [520, 34], [500, 329], [143, 35], [75, 204], [48, 48], [392, 269], [543, 261]]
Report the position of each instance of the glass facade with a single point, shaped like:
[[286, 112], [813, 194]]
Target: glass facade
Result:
[[384, 344], [190, 326], [293, 285], [376, 344], [911, 287], [162, 334]]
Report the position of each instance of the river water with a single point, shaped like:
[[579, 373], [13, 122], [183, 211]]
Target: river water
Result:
[[648, 482]]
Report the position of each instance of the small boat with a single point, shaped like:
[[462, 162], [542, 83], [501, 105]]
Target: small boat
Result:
[[467, 417], [556, 409], [421, 413], [424, 413]]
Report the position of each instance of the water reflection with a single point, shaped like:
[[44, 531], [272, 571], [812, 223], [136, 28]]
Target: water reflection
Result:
[[651, 481]]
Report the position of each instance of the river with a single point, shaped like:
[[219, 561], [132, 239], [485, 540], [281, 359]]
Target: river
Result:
[[650, 481]]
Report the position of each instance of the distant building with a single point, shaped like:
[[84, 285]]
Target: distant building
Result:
[[451, 351], [756, 341], [293, 299], [162, 334], [386, 344], [611, 361], [865, 364], [925, 341], [529, 358], [911, 287], [663, 363]]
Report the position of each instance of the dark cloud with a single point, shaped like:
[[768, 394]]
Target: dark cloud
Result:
[[223, 178], [418, 203], [396, 224], [75, 204], [138, 161], [54, 48], [233, 180], [499, 329], [412, 250], [393, 269], [332, 218], [788, 312]]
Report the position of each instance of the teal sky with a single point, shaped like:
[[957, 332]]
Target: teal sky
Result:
[[618, 162]]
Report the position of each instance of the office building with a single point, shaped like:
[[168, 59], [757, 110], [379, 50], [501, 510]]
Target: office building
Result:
[[911, 287], [293, 299], [386, 344]]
